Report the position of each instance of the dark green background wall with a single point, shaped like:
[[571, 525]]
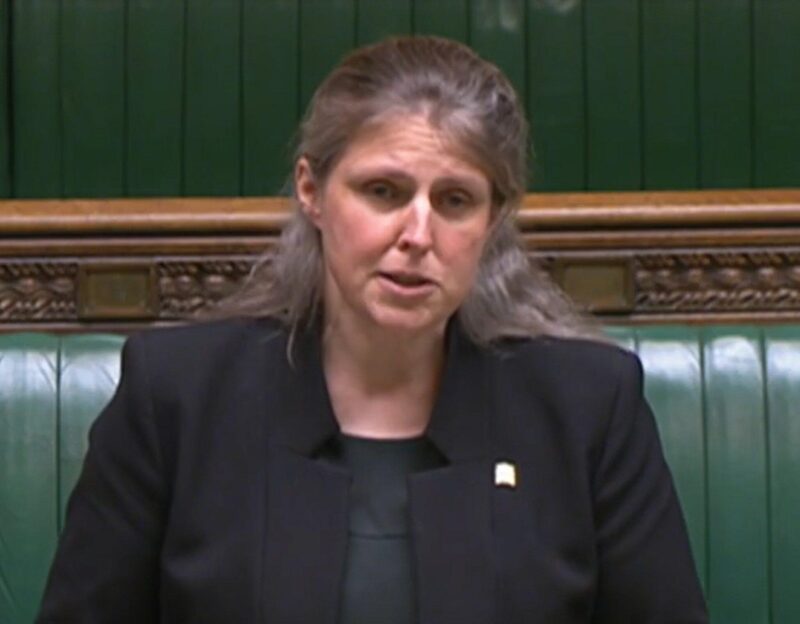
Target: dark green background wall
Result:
[[200, 97]]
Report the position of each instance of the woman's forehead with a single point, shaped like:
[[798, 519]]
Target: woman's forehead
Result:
[[403, 139]]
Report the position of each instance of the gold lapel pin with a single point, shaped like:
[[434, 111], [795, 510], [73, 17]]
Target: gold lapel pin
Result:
[[505, 474]]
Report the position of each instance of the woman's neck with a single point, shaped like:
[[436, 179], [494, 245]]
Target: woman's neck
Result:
[[382, 384]]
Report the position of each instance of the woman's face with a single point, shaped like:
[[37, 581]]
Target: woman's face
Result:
[[403, 220]]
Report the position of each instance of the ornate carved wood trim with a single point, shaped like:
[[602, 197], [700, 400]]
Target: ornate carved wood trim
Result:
[[695, 283], [643, 257], [38, 290]]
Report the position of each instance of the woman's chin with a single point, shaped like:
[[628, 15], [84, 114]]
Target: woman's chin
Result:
[[408, 323]]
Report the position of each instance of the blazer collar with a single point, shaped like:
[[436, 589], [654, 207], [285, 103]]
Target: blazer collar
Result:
[[303, 417], [459, 425]]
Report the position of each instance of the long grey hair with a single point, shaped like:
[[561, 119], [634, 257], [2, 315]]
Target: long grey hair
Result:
[[474, 105]]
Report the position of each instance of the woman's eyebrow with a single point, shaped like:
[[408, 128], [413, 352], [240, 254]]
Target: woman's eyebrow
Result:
[[391, 171], [473, 182], [381, 171]]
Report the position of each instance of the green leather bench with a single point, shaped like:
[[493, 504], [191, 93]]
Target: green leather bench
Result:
[[727, 400]]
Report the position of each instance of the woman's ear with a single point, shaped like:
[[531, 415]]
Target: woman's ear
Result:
[[307, 190]]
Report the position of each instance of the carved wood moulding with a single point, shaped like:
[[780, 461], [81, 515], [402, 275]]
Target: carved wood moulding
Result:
[[638, 256], [77, 290], [38, 290], [691, 282], [711, 281], [715, 282], [187, 286]]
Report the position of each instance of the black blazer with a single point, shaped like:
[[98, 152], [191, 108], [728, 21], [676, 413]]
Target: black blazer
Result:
[[200, 500]]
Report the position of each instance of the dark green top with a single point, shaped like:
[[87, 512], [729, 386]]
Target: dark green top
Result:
[[378, 583]]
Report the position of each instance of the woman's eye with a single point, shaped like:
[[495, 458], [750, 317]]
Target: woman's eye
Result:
[[456, 200], [382, 190]]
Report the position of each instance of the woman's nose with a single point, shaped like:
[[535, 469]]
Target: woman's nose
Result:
[[416, 234]]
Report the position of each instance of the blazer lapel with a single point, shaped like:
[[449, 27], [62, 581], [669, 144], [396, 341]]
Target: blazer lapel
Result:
[[307, 500], [451, 506], [450, 512], [306, 539]]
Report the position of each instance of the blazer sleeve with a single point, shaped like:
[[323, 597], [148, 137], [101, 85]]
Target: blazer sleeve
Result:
[[646, 571], [106, 564]]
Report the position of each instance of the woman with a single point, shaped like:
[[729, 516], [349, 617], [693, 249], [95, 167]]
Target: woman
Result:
[[403, 433]]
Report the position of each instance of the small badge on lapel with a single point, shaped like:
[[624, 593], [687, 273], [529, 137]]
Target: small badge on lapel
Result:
[[505, 474]]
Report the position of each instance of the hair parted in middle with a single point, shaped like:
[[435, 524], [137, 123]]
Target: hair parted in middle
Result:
[[476, 109]]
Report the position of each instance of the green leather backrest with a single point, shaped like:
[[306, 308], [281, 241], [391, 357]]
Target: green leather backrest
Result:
[[727, 402], [51, 389]]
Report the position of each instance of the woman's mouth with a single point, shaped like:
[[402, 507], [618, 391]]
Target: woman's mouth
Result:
[[407, 283]]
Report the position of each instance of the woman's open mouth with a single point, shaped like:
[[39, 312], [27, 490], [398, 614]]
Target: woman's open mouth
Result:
[[407, 284]]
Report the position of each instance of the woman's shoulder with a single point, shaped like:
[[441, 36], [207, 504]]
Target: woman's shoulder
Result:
[[205, 337], [568, 387], [198, 350], [559, 355], [577, 376]]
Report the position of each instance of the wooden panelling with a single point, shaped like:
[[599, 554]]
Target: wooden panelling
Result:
[[5, 135], [776, 58], [178, 97], [669, 97], [639, 257], [154, 97], [613, 95], [327, 33], [725, 87], [212, 99], [497, 33], [555, 95], [445, 18], [377, 20], [585, 214], [270, 83], [92, 93], [36, 99]]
